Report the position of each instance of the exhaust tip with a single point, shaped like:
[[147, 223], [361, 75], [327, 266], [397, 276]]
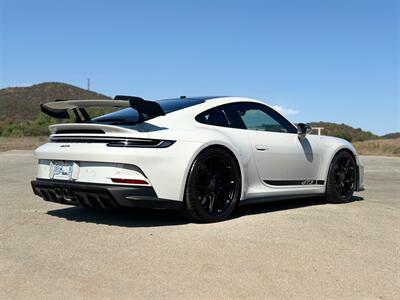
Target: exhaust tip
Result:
[[58, 193], [66, 194]]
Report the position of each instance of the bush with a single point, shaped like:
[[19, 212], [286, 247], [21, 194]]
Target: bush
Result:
[[39, 125]]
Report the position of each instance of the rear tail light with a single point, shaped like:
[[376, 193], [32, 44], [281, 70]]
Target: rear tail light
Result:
[[129, 181], [142, 143], [113, 141]]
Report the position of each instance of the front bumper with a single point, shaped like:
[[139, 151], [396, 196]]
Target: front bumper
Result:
[[100, 195]]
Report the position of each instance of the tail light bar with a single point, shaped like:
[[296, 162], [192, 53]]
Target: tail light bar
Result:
[[141, 143], [114, 141]]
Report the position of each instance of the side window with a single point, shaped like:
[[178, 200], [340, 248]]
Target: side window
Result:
[[216, 117], [224, 116], [260, 117]]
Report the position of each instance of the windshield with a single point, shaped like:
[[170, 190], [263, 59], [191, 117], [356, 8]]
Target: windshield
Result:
[[129, 116]]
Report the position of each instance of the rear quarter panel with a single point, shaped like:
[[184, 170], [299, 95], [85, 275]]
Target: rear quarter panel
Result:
[[235, 140]]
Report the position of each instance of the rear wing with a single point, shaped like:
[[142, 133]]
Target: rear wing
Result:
[[59, 109]]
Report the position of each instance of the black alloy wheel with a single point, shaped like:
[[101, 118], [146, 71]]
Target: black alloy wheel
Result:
[[213, 186], [341, 178]]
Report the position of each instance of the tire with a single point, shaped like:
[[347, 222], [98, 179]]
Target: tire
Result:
[[213, 186], [341, 179]]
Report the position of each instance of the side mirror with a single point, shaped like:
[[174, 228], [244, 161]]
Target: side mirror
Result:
[[303, 129]]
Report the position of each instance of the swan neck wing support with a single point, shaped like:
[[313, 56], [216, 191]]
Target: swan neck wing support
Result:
[[59, 108]]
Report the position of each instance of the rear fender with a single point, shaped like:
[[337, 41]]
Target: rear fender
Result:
[[215, 143]]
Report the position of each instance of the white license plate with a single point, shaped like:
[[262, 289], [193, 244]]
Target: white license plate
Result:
[[63, 170]]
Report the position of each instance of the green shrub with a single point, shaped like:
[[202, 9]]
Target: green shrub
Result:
[[39, 125]]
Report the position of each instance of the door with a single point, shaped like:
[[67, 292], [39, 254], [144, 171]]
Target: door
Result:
[[281, 157]]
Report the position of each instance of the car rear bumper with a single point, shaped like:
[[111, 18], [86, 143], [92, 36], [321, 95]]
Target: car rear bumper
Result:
[[165, 169], [100, 195]]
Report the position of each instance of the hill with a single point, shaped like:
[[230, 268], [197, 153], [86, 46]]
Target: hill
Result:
[[20, 107], [393, 135], [23, 103], [344, 131]]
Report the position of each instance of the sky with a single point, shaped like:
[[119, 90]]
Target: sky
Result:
[[328, 60]]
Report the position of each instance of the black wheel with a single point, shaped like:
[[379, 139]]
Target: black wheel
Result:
[[213, 186], [341, 178]]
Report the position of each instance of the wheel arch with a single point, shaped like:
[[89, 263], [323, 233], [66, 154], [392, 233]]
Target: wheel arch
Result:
[[207, 146], [334, 154]]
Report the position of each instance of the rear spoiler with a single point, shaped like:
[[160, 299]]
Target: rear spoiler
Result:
[[59, 108]]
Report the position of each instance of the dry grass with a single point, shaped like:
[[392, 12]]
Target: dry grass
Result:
[[21, 143], [384, 147]]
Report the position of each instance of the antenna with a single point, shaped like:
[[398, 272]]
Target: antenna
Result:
[[88, 84]]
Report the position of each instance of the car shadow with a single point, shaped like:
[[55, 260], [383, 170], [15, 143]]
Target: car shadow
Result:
[[130, 217], [153, 218], [274, 206]]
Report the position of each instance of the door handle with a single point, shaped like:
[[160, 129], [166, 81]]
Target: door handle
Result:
[[262, 147]]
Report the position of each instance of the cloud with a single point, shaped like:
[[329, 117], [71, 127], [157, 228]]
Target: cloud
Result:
[[285, 111]]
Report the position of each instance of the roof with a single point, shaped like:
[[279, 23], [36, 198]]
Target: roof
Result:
[[196, 98]]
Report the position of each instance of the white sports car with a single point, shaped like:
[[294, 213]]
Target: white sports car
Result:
[[205, 155]]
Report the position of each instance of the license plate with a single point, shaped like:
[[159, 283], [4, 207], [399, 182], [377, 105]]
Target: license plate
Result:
[[63, 170]]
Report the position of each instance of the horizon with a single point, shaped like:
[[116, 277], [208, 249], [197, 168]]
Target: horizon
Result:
[[280, 109], [332, 61]]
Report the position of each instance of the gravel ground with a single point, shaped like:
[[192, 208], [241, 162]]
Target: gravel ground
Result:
[[291, 249]]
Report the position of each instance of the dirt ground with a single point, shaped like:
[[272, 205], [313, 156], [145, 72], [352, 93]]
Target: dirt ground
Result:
[[297, 249], [21, 143]]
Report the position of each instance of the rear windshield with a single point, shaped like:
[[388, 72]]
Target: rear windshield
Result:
[[129, 116]]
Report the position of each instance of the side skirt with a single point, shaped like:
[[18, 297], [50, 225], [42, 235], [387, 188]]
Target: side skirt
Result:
[[277, 198]]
